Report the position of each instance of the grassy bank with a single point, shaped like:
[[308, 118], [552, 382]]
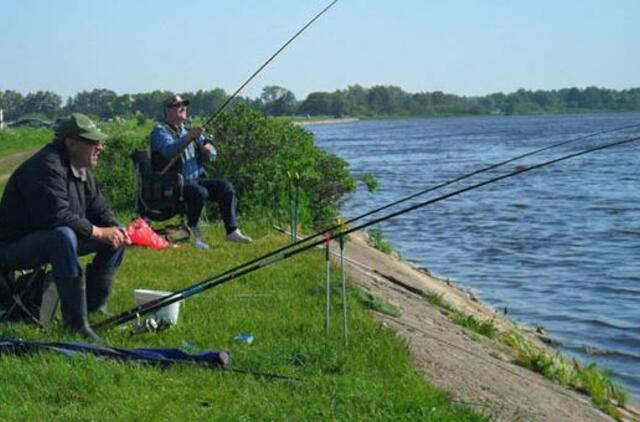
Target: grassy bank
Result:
[[282, 306]]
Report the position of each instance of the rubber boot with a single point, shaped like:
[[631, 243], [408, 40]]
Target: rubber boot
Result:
[[99, 283], [73, 297]]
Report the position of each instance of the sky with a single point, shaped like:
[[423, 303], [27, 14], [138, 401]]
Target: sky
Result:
[[462, 47]]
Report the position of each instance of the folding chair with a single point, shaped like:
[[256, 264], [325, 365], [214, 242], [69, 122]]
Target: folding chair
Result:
[[159, 197], [30, 296]]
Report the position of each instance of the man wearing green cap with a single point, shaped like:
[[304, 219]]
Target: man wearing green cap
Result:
[[52, 212]]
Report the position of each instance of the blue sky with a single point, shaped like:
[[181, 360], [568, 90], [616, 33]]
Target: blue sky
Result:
[[463, 47]]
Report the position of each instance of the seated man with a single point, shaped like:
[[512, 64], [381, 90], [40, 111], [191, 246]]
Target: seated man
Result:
[[52, 212], [171, 138]]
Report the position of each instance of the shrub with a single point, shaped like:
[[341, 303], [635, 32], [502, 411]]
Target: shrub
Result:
[[115, 173], [377, 240], [254, 153]]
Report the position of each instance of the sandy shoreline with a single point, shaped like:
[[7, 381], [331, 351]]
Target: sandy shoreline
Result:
[[477, 371]]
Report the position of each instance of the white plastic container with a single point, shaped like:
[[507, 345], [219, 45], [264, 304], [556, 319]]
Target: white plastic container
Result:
[[167, 313]]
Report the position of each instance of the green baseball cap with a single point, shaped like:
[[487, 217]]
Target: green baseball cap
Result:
[[80, 126]]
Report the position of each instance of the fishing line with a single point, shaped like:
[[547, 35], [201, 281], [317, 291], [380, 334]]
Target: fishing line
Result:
[[271, 258], [215, 115], [404, 199]]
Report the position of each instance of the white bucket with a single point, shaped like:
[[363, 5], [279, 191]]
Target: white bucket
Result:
[[167, 313]]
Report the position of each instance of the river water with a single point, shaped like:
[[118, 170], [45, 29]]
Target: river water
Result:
[[557, 247]]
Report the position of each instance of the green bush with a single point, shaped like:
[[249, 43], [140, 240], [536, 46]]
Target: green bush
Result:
[[254, 153], [377, 240], [115, 173]]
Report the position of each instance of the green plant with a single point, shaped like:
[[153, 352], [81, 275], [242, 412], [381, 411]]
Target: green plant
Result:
[[486, 328], [370, 181], [255, 153], [437, 299], [589, 379], [375, 303], [115, 171], [141, 119], [377, 240]]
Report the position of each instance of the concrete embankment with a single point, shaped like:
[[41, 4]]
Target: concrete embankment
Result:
[[477, 370]]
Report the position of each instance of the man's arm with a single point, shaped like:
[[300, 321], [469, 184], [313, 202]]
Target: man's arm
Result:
[[47, 199], [106, 228], [163, 143]]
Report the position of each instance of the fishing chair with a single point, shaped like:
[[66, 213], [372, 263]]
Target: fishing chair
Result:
[[28, 295], [159, 197]]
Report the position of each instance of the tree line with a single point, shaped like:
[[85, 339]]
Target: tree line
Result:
[[355, 100]]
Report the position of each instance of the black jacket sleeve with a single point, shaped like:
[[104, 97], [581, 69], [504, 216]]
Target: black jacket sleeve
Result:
[[98, 211]]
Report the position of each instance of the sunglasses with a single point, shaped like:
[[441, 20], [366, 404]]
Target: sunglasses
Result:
[[178, 106], [88, 141]]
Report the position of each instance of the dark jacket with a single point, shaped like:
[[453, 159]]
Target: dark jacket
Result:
[[43, 193]]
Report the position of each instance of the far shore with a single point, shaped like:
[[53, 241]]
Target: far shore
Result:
[[326, 121]]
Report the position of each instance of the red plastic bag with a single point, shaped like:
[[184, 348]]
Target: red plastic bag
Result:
[[143, 235]]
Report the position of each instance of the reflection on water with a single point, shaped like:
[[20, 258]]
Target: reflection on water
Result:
[[557, 246]]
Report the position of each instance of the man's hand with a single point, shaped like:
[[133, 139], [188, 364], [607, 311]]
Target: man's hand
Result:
[[115, 237], [195, 133], [207, 153]]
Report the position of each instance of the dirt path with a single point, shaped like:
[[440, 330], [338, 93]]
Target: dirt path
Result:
[[9, 162], [474, 370]]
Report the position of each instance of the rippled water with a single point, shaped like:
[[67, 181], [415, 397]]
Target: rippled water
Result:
[[557, 247]]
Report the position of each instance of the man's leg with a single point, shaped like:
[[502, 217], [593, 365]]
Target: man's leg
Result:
[[101, 272], [224, 194], [59, 247], [194, 196]]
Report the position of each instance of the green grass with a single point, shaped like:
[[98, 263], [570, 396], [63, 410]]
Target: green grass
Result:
[[486, 328], [437, 300], [588, 379], [377, 240], [281, 305], [16, 140]]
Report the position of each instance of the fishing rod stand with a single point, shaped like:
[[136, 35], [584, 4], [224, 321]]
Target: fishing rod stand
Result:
[[343, 274]]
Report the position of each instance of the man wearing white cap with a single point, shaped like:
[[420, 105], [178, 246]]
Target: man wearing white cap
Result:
[[170, 138]]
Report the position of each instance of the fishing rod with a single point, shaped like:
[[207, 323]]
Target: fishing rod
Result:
[[217, 280], [404, 199], [215, 115]]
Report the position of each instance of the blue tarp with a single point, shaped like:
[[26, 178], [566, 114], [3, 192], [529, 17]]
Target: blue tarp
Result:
[[153, 356]]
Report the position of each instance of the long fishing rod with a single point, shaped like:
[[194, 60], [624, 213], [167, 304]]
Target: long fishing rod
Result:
[[215, 115], [404, 199], [217, 280]]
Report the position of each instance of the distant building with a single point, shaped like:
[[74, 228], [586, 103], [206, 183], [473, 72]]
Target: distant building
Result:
[[30, 122]]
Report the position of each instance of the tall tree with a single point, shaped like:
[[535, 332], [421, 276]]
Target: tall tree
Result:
[[316, 103], [278, 101], [205, 103], [98, 102], [11, 103], [45, 103], [151, 103]]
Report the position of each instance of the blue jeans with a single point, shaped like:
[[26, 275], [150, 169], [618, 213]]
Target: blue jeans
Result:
[[59, 247]]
